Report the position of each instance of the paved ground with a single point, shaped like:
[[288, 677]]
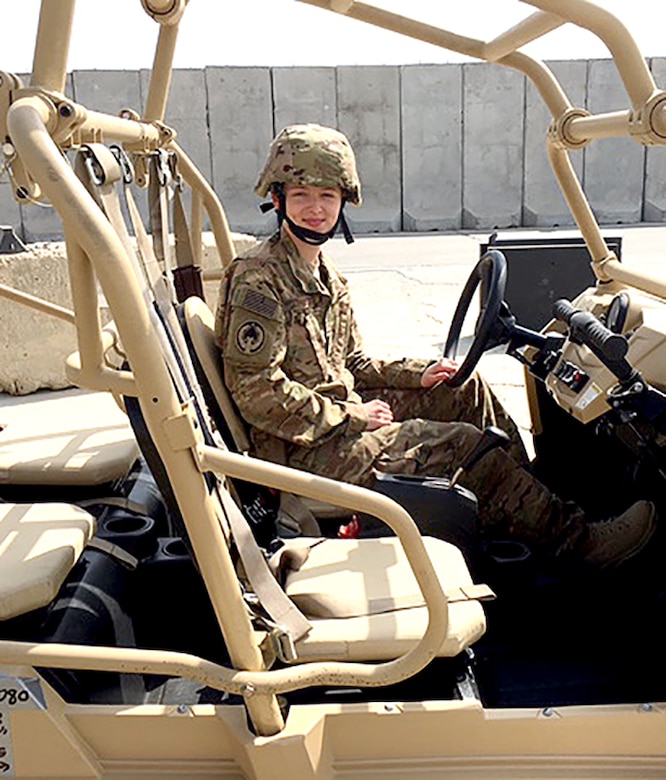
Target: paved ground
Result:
[[405, 289]]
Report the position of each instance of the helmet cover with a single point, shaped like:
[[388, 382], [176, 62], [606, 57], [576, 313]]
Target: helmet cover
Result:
[[310, 155]]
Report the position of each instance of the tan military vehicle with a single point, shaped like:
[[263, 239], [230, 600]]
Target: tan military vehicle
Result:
[[144, 633]]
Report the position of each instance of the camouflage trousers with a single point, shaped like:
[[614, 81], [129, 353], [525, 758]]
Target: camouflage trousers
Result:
[[435, 430]]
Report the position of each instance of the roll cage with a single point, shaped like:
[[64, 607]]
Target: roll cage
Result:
[[41, 123]]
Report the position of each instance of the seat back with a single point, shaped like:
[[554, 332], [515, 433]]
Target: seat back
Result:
[[260, 504], [200, 332], [199, 328]]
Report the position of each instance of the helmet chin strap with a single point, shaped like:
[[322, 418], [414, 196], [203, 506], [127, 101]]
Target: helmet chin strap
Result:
[[311, 237]]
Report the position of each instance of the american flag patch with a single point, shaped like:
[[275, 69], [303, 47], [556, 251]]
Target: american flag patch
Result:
[[259, 304]]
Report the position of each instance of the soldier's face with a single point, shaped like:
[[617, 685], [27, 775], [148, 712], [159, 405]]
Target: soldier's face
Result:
[[314, 208]]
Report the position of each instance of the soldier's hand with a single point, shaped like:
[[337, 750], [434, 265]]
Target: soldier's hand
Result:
[[438, 372], [379, 414]]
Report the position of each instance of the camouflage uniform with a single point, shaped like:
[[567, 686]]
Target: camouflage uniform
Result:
[[295, 366]]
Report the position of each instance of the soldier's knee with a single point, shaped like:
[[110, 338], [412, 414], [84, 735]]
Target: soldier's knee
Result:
[[468, 431]]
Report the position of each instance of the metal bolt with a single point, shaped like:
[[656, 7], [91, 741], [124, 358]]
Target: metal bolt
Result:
[[182, 709], [646, 707], [548, 712], [65, 110], [248, 690]]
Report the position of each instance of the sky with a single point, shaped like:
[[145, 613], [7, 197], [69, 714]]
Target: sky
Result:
[[287, 32]]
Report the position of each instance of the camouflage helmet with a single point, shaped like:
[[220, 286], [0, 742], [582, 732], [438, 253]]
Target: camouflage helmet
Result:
[[311, 156]]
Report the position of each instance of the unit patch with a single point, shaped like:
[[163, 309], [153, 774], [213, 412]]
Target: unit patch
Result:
[[250, 338]]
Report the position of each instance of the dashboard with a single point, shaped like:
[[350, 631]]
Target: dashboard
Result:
[[579, 381]]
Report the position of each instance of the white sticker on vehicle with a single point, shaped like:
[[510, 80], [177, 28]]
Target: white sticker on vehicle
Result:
[[591, 394], [16, 693]]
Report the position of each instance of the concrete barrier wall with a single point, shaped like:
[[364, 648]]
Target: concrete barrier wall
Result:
[[439, 147], [33, 345]]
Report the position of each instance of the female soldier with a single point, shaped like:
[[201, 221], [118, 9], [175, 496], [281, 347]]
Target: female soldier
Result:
[[295, 366]]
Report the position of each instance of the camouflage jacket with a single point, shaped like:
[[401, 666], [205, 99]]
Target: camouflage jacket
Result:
[[292, 353]]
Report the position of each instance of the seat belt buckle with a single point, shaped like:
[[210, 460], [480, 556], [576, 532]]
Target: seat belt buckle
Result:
[[126, 167], [94, 168], [162, 167], [283, 644]]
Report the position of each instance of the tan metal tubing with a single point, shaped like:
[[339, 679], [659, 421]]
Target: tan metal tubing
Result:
[[174, 664], [106, 379], [658, 120], [587, 128], [196, 226], [360, 500], [528, 30], [125, 660], [39, 304], [87, 367], [115, 128], [49, 65], [579, 206], [279, 680], [615, 125], [542, 77], [158, 6], [166, 12], [254, 684], [160, 76], [612, 268], [98, 126], [213, 205], [633, 69], [629, 61], [85, 223], [84, 295], [410, 27]]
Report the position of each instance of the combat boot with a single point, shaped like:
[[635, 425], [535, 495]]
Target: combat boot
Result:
[[609, 543]]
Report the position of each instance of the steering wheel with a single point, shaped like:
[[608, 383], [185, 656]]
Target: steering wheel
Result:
[[490, 273]]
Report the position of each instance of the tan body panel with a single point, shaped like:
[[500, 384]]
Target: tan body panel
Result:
[[401, 740]]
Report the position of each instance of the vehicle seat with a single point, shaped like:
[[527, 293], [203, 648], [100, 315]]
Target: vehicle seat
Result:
[[39, 545], [361, 573], [200, 330], [68, 438], [363, 602]]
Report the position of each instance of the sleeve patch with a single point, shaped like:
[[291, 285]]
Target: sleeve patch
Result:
[[259, 304], [250, 338]]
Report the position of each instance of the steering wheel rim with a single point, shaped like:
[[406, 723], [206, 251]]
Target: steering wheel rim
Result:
[[490, 273]]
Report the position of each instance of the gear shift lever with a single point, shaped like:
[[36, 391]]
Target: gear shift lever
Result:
[[491, 438]]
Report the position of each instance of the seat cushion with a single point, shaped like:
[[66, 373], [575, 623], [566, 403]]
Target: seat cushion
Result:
[[364, 602], [64, 438], [39, 544]]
